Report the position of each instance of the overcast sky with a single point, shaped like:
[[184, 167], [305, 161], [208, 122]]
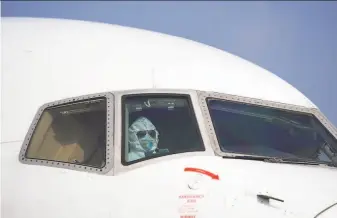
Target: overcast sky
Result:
[[295, 40]]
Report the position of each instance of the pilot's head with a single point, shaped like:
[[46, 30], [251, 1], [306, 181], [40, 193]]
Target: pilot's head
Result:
[[143, 136]]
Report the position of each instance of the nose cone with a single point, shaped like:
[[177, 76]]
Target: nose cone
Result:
[[329, 212]]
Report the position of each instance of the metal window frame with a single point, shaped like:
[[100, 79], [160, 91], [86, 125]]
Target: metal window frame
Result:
[[203, 96], [109, 136], [192, 95]]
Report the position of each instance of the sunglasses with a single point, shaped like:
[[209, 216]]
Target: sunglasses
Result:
[[142, 134]]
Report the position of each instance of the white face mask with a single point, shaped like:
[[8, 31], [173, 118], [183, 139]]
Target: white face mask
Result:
[[148, 142], [147, 139], [143, 136]]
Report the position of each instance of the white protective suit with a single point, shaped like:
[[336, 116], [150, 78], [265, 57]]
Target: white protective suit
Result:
[[143, 139]]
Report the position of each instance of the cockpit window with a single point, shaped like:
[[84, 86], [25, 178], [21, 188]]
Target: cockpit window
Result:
[[154, 126], [263, 131], [71, 133]]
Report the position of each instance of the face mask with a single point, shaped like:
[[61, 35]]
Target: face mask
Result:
[[143, 136], [148, 143]]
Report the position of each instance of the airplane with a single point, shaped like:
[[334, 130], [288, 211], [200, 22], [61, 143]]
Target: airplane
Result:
[[102, 120]]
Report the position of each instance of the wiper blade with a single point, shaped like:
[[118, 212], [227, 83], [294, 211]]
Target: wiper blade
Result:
[[284, 160], [301, 161], [291, 160]]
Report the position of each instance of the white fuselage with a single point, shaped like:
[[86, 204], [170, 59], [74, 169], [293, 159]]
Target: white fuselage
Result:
[[48, 59], [154, 190]]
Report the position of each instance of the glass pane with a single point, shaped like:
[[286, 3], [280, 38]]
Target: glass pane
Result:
[[71, 133], [263, 131], [156, 126]]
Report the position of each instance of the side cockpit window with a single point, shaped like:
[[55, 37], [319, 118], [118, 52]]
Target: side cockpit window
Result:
[[72, 133], [249, 129], [154, 126]]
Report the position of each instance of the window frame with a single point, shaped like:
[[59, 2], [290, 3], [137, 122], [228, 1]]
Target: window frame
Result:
[[191, 97], [205, 96], [73, 166]]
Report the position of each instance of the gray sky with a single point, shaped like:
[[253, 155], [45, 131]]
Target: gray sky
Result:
[[295, 40]]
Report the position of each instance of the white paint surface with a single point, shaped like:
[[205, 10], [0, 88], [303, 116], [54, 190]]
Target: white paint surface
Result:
[[48, 59], [45, 60]]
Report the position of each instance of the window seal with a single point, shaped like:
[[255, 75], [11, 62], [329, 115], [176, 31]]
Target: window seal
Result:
[[73, 166], [158, 95]]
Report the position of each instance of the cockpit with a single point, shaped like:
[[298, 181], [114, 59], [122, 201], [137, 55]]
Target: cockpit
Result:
[[120, 129]]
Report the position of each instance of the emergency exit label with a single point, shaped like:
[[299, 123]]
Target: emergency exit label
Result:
[[189, 205]]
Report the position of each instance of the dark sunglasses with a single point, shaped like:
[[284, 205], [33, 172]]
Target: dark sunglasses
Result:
[[141, 134]]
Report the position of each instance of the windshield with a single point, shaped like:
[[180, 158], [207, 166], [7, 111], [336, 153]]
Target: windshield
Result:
[[71, 133], [158, 125], [257, 130]]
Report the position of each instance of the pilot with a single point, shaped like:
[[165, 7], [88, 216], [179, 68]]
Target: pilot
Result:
[[143, 139]]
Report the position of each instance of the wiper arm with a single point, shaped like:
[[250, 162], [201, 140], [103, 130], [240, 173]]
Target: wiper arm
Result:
[[284, 160], [300, 161], [291, 160]]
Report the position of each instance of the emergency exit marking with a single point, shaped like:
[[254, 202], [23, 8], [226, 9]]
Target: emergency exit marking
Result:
[[190, 196], [189, 208]]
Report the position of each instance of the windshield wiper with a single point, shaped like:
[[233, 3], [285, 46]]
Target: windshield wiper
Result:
[[284, 160], [291, 160], [300, 161]]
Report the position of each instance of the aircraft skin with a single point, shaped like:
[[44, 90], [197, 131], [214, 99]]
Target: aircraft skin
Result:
[[45, 60]]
